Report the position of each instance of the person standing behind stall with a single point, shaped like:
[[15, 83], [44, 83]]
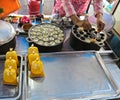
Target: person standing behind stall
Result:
[[75, 8]]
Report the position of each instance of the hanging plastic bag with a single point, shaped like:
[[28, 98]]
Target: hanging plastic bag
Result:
[[8, 6]]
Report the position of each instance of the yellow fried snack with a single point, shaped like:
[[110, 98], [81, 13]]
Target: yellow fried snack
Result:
[[13, 55], [80, 29], [31, 58], [11, 62], [9, 76], [93, 40], [32, 49], [37, 68]]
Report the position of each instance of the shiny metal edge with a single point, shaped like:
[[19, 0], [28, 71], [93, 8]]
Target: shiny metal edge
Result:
[[67, 52], [99, 58], [108, 52], [25, 80]]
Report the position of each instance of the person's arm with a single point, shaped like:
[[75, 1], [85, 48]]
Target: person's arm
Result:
[[70, 12], [98, 9], [68, 8]]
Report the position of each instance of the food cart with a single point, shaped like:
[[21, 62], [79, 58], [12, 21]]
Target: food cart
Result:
[[69, 74]]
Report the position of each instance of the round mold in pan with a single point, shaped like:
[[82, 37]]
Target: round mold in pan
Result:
[[82, 41], [50, 33]]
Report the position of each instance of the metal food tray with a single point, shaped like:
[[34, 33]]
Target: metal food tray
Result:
[[9, 92], [71, 75]]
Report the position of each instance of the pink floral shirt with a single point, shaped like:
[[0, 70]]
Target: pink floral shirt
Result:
[[70, 7]]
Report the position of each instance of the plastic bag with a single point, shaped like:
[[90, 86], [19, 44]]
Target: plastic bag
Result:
[[8, 6]]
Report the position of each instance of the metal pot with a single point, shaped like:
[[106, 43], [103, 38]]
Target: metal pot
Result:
[[87, 39], [47, 37], [7, 37]]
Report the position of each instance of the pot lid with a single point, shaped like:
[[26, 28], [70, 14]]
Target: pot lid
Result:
[[7, 32]]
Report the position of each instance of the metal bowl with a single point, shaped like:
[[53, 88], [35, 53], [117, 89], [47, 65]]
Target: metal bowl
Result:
[[7, 37]]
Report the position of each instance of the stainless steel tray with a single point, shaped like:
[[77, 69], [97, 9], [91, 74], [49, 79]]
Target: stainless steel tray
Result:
[[71, 75], [8, 92]]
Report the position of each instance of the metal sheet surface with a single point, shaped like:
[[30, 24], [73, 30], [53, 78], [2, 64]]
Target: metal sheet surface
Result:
[[9, 92], [71, 76]]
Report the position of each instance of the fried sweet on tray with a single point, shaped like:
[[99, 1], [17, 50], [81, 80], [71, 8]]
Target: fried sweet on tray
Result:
[[10, 76], [37, 68], [32, 49], [31, 58], [11, 62], [13, 55]]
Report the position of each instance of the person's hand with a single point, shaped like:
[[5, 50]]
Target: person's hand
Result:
[[81, 23], [100, 22], [84, 23]]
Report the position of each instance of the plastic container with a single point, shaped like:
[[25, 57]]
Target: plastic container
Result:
[[34, 7], [8, 6]]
